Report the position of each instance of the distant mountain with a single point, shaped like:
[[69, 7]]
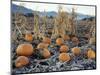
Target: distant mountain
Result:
[[15, 8], [51, 13], [90, 18], [82, 16]]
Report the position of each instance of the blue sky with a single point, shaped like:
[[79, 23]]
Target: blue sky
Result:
[[88, 10]]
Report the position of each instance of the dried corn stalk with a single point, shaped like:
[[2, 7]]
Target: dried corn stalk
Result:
[[61, 24], [55, 32], [92, 29], [20, 21], [44, 20], [36, 30], [73, 22]]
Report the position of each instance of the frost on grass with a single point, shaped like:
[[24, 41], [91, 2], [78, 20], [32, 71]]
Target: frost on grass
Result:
[[53, 28]]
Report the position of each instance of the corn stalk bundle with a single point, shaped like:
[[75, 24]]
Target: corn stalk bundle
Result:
[[20, 23], [44, 20], [92, 31], [55, 32], [20, 20], [61, 24], [73, 22], [36, 29]]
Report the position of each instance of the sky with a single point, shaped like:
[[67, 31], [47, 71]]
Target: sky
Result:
[[88, 10]]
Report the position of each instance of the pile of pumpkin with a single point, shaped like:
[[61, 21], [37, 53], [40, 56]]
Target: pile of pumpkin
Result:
[[26, 49]]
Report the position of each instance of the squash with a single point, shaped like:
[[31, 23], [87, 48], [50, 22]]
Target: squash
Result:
[[25, 49], [87, 36], [91, 54], [21, 61], [28, 37], [46, 53], [76, 51], [75, 40], [64, 48], [42, 46], [46, 40], [64, 57], [66, 37], [59, 41]]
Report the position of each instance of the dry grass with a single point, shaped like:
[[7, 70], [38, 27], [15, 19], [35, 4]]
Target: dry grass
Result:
[[64, 23]]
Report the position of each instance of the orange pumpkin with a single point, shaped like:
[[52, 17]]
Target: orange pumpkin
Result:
[[66, 37], [64, 48], [21, 61], [64, 57], [46, 53], [59, 41], [91, 54], [75, 40], [76, 51], [42, 45], [28, 37], [24, 50], [46, 40], [87, 36]]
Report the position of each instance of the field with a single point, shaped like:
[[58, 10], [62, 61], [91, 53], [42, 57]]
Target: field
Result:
[[61, 42]]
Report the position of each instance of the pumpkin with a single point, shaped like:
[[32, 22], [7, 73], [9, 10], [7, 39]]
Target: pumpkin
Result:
[[59, 41], [91, 54], [76, 51], [75, 40], [64, 48], [46, 53], [64, 57], [46, 40], [87, 36], [24, 49], [28, 37], [42, 45], [21, 61], [66, 37]]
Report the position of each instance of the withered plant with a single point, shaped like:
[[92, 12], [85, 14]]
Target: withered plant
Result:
[[20, 22], [73, 21], [93, 29], [44, 25], [61, 23], [38, 34]]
